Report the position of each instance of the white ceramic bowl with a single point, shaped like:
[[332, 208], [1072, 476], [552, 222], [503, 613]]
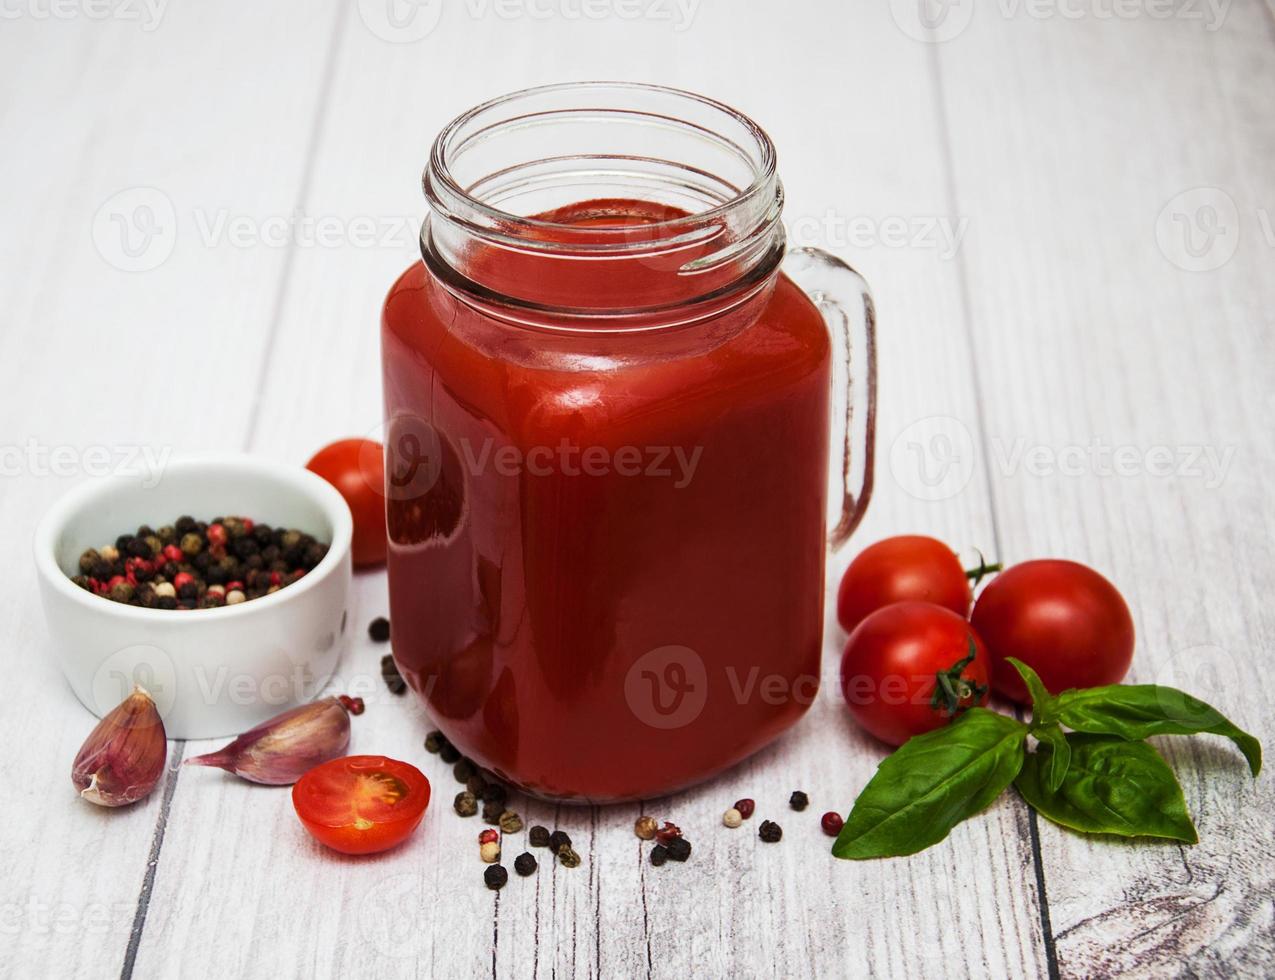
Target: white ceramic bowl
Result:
[[212, 672]]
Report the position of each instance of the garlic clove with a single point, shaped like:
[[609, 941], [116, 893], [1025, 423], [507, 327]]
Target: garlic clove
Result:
[[124, 756], [280, 751]]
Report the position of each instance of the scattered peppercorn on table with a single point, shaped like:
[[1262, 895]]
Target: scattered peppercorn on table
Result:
[[1066, 224]]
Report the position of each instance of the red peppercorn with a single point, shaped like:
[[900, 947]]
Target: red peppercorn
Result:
[[173, 553], [831, 823], [353, 705], [113, 581], [217, 535], [248, 524], [182, 578], [488, 836], [745, 808], [668, 832], [232, 586], [276, 578]]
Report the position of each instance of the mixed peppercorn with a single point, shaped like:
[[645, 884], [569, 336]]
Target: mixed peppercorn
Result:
[[494, 797], [670, 844], [192, 564]]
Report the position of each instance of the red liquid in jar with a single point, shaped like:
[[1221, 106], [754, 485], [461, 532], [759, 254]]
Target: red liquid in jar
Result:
[[611, 584]]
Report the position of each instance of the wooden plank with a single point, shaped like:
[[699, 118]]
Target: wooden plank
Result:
[[1096, 328], [101, 363], [738, 906]]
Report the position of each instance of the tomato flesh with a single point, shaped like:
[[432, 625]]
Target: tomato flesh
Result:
[[361, 804], [909, 567], [1062, 619], [889, 671], [356, 467]]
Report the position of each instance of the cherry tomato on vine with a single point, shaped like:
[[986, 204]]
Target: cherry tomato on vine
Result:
[[1062, 619], [356, 467], [361, 804], [911, 668], [903, 568]]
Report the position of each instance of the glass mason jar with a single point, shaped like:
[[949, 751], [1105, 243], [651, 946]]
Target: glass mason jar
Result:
[[608, 406]]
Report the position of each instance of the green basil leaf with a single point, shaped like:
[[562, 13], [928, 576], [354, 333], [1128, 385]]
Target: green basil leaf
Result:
[[1111, 787], [1138, 711], [1044, 704], [1058, 756], [932, 783]]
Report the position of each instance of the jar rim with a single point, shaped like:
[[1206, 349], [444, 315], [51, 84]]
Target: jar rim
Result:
[[460, 205]]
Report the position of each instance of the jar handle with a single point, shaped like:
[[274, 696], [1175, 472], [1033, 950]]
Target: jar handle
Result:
[[845, 301]]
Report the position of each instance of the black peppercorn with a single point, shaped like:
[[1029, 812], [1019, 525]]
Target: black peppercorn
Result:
[[166, 602], [496, 876], [799, 800], [184, 524], [769, 831], [465, 804], [389, 671], [492, 813], [379, 629], [539, 836], [463, 770], [558, 840], [434, 741], [476, 784], [679, 849], [495, 793], [525, 864], [449, 753], [659, 854]]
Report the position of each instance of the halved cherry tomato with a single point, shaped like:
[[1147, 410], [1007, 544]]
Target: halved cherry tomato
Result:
[[1062, 619], [361, 804], [909, 567], [356, 467], [911, 668]]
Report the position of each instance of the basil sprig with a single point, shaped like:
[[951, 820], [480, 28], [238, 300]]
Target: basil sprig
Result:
[[1099, 777]]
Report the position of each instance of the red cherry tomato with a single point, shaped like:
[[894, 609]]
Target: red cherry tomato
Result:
[[1062, 619], [361, 804], [907, 567], [356, 467], [911, 668]]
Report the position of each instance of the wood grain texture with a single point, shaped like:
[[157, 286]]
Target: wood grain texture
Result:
[[1055, 322], [100, 364], [1088, 334]]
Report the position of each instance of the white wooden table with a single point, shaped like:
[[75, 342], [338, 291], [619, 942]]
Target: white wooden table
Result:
[[1088, 374]]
